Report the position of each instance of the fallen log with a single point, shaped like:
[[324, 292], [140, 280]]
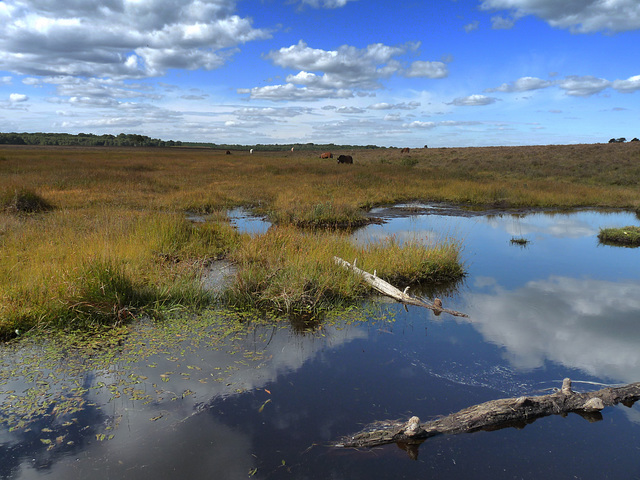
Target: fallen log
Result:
[[387, 289], [494, 415]]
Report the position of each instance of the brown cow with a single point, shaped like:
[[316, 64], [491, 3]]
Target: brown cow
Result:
[[327, 155], [405, 150], [345, 159]]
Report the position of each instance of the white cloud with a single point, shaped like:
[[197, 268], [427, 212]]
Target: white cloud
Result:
[[418, 124], [427, 70], [349, 110], [522, 85], [325, 3], [473, 101], [18, 98], [581, 16], [502, 23], [583, 86], [5, 80], [340, 73], [398, 106], [470, 27], [629, 85], [125, 38]]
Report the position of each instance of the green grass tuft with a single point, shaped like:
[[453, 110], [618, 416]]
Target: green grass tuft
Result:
[[625, 236]]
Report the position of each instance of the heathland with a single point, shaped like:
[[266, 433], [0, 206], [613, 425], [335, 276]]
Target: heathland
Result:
[[99, 236]]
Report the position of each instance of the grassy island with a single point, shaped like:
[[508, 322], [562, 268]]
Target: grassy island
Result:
[[625, 236], [97, 236]]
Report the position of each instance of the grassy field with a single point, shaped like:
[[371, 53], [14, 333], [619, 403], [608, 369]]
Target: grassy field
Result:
[[94, 236]]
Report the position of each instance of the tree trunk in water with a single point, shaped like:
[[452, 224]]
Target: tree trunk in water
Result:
[[391, 291], [494, 415]]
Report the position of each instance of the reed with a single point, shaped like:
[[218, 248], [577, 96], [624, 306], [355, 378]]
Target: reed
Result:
[[71, 268], [292, 271]]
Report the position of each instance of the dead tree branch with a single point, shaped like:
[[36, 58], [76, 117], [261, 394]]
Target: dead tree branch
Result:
[[391, 291], [496, 414]]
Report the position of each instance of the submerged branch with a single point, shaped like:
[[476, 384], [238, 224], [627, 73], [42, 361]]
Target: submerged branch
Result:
[[391, 291], [496, 414]]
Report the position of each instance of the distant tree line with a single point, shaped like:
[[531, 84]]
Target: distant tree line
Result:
[[84, 139], [622, 140], [134, 140]]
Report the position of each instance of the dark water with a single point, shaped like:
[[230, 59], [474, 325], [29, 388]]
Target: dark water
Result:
[[266, 401]]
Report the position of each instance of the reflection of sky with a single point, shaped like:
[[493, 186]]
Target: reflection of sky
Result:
[[246, 223], [586, 324], [194, 375]]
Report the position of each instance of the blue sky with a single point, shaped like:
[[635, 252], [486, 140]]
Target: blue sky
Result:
[[440, 73]]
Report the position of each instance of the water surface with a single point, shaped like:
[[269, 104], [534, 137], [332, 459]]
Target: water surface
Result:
[[254, 400]]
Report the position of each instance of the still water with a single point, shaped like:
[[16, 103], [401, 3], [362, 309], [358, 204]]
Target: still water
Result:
[[263, 401]]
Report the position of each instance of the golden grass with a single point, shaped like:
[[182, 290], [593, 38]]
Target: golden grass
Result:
[[290, 271], [117, 238]]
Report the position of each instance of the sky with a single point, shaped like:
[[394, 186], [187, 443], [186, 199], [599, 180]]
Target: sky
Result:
[[442, 73]]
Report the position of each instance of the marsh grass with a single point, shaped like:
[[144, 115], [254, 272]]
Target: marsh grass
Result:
[[103, 266], [119, 212], [625, 236], [292, 271]]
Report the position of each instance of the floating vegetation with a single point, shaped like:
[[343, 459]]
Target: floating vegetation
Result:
[[59, 384], [625, 236], [521, 241]]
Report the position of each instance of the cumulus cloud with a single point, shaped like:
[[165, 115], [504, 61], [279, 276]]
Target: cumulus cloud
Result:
[[18, 98], [126, 38], [473, 101], [427, 70], [580, 16], [629, 85], [349, 110], [340, 73], [522, 85], [397, 106], [583, 86]]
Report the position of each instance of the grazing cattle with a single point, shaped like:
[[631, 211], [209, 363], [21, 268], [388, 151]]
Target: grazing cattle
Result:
[[327, 155], [292, 149], [345, 159], [405, 150], [228, 152], [251, 152]]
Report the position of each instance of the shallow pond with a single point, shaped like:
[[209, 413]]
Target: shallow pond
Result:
[[226, 400]]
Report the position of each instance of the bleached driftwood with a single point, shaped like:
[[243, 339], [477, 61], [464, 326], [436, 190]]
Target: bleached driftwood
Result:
[[391, 291], [494, 415]]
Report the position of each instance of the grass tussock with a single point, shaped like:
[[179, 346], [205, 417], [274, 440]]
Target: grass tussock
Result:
[[23, 201], [325, 215], [625, 236], [292, 271], [73, 268]]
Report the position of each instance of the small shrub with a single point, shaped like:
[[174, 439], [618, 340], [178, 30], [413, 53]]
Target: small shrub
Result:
[[23, 201], [409, 162]]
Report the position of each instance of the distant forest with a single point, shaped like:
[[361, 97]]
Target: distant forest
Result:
[[133, 140]]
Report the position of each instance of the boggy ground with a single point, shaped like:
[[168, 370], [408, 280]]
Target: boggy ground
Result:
[[113, 240]]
